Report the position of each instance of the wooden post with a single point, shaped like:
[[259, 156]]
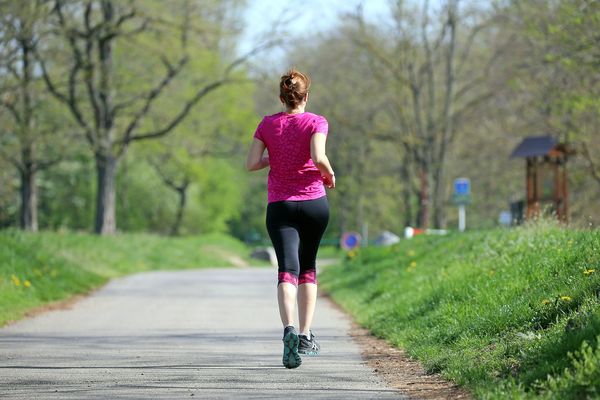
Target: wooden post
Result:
[[556, 192], [533, 188], [565, 193]]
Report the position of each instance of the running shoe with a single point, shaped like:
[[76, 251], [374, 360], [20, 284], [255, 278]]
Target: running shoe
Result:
[[291, 358], [308, 345]]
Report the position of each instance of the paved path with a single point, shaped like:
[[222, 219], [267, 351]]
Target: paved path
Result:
[[210, 334]]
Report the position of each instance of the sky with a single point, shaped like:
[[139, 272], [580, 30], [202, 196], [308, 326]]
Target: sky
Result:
[[309, 17]]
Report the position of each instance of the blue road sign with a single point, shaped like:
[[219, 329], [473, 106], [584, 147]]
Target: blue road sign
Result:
[[350, 240], [462, 191], [462, 186]]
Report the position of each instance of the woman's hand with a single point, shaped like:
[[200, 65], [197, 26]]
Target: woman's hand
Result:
[[329, 180], [264, 162], [317, 154]]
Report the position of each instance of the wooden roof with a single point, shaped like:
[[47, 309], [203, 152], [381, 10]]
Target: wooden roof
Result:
[[533, 146]]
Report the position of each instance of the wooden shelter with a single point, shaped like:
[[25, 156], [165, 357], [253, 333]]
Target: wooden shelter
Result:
[[546, 163]]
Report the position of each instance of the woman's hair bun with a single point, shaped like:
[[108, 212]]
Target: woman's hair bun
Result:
[[293, 87]]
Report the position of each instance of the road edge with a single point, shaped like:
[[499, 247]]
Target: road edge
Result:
[[395, 368]]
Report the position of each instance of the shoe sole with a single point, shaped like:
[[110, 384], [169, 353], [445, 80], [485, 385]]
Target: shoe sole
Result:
[[291, 358], [308, 353]]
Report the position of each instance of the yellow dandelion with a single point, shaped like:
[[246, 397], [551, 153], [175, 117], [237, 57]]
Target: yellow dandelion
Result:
[[27, 283], [411, 253], [588, 272], [413, 264], [546, 302], [565, 298], [16, 280]]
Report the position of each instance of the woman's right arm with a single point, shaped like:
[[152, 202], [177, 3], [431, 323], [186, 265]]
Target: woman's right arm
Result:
[[317, 153], [255, 159]]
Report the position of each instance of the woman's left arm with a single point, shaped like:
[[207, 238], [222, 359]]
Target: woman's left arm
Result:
[[255, 159]]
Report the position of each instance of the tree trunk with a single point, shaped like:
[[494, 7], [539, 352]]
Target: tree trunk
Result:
[[439, 195], [28, 164], [439, 212], [106, 170], [182, 192], [28, 216], [406, 193], [423, 216]]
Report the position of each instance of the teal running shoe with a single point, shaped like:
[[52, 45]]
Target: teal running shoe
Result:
[[308, 345], [291, 358]]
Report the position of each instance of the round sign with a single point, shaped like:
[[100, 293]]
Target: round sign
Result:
[[350, 240]]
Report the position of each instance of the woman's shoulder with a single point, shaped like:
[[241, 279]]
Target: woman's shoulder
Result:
[[315, 120], [315, 116], [273, 116], [318, 123], [269, 120]]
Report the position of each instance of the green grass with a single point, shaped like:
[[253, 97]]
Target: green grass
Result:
[[505, 313], [39, 268], [330, 252]]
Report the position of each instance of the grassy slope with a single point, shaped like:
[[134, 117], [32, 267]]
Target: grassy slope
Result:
[[495, 311], [39, 268]]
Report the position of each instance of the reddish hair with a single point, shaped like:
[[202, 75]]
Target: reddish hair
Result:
[[293, 87]]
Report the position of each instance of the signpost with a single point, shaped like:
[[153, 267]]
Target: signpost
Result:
[[350, 240], [462, 197]]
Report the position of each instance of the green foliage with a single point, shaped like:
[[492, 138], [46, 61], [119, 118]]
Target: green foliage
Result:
[[220, 196], [36, 269], [502, 307], [66, 194], [532, 68], [582, 380], [577, 381], [213, 131]]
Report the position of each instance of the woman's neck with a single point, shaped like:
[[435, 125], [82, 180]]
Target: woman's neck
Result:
[[297, 110]]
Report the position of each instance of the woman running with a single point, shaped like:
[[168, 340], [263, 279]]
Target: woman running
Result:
[[297, 210]]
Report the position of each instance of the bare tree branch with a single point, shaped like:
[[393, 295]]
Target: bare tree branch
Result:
[[45, 164], [67, 99], [172, 72], [125, 17], [89, 65], [129, 137], [179, 117], [11, 107], [240, 60]]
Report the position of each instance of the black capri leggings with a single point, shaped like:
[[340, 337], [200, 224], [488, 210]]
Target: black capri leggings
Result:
[[296, 229]]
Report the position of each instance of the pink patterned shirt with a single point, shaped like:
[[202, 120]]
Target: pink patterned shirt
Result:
[[292, 174]]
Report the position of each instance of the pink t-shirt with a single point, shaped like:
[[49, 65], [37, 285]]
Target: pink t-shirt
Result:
[[292, 175]]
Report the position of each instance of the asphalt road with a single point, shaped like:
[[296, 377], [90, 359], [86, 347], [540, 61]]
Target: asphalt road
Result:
[[210, 334]]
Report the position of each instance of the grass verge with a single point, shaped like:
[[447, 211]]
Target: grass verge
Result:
[[36, 269], [330, 252], [505, 313]]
